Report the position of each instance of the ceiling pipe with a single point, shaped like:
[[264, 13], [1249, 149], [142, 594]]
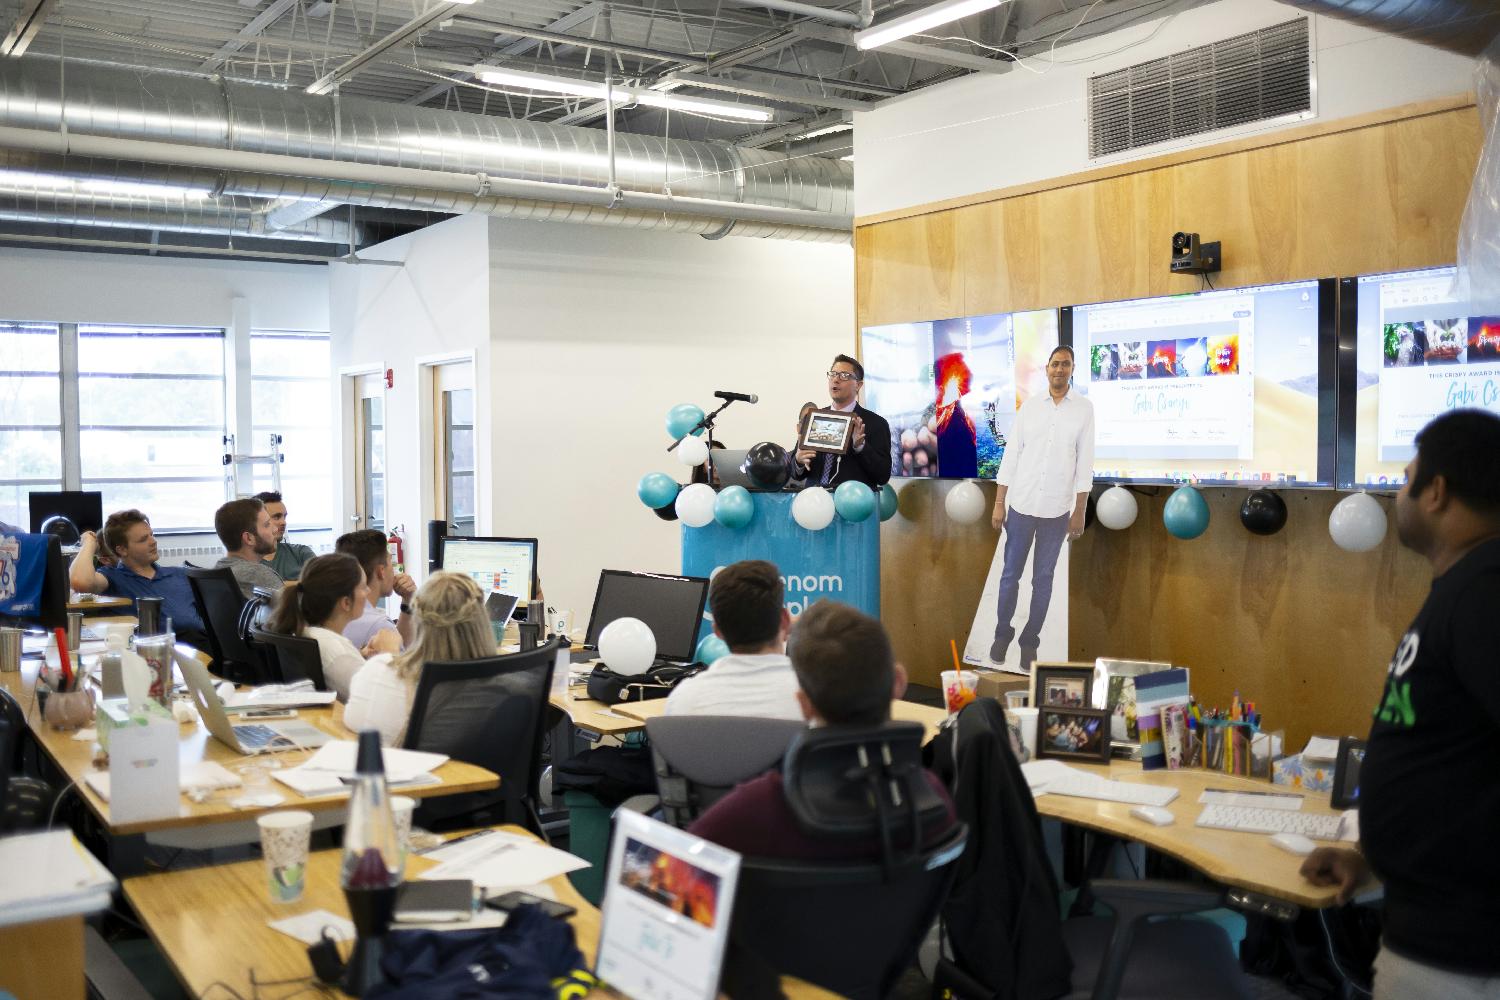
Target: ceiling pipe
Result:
[[809, 10], [1464, 26]]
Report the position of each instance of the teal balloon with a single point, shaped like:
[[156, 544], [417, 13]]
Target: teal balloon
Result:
[[854, 501], [710, 648], [1185, 513], [733, 507], [657, 489], [888, 502], [682, 418]]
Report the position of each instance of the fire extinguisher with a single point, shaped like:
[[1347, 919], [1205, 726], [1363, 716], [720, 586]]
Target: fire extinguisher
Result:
[[397, 549]]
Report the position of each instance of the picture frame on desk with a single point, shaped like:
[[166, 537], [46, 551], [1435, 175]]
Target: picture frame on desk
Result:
[[1077, 734], [827, 432], [1114, 692], [1062, 685]]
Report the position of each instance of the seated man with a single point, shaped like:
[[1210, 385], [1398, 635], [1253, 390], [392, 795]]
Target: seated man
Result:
[[847, 676], [287, 558], [368, 546], [756, 678], [136, 573], [245, 529]]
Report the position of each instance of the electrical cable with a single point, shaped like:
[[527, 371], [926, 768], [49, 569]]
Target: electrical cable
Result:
[[1333, 957], [52, 817]]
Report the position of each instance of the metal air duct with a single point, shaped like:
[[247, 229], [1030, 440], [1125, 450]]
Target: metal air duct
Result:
[[1465, 26]]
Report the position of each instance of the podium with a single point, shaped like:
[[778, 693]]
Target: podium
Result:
[[841, 562]]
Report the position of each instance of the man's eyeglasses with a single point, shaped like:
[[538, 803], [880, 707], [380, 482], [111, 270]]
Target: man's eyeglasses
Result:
[[843, 376]]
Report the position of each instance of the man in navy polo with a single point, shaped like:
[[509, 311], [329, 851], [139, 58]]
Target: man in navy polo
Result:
[[136, 573]]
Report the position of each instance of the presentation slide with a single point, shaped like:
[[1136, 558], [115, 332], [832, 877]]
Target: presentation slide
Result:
[[1218, 386], [498, 567], [1418, 354], [950, 388]]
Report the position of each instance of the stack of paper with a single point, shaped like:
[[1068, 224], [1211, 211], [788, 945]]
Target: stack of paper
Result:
[[1321, 748], [277, 696], [498, 860], [328, 771], [49, 875], [205, 774]]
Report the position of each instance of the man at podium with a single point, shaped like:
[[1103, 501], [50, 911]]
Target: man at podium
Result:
[[868, 456]]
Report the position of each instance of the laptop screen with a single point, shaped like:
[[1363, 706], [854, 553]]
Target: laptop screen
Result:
[[498, 565], [671, 605]]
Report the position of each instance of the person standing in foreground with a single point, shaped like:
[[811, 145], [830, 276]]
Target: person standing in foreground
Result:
[[1432, 743], [869, 457], [1043, 489]]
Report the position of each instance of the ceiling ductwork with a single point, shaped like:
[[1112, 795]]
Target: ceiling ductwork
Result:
[[1466, 26], [304, 155]]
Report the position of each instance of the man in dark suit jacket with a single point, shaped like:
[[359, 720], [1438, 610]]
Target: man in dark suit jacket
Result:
[[869, 457]]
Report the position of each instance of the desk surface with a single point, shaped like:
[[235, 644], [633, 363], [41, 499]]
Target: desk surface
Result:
[[901, 711], [102, 605], [595, 716]]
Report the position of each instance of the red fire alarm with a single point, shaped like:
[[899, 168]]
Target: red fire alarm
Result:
[[390, 378]]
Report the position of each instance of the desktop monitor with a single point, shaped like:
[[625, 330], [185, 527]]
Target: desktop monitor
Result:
[[51, 609], [85, 508], [1230, 387], [498, 565], [671, 605]]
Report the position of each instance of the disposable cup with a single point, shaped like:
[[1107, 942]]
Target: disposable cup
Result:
[[1017, 699], [959, 688], [402, 807], [284, 840], [1025, 718]]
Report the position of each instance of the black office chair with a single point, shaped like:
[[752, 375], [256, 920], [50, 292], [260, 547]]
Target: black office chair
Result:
[[24, 802], [219, 600], [490, 713], [700, 758], [289, 658], [849, 926]]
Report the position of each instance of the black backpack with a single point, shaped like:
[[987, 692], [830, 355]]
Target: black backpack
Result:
[[611, 688]]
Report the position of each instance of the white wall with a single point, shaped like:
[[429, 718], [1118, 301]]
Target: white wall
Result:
[[988, 131]]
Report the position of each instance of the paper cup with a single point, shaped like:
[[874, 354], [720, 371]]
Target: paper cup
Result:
[[123, 631], [283, 842], [959, 688], [1017, 699], [402, 806], [1025, 718]]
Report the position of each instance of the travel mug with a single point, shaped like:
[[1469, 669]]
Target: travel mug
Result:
[[147, 616], [75, 630], [10, 650]]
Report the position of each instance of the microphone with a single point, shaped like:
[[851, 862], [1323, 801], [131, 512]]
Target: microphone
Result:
[[742, 397]]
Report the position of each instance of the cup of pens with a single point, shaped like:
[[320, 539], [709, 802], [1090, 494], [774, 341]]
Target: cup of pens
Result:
[[68, 706]]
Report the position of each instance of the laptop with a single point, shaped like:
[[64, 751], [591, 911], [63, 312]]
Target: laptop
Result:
[[726, 463], [246, 739], [672, 606]]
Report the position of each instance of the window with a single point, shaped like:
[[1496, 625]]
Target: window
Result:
[[289, 395], [31, 427], [458, 458], [372, 451]]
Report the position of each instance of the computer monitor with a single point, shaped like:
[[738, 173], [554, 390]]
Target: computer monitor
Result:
[[671, 605], [498, 565], [85, 508], [52, 605]]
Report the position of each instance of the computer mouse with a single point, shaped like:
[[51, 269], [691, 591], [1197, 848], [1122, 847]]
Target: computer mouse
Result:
[[1155, 815], [1293, 843]]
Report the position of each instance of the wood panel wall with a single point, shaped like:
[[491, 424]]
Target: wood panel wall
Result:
[[1291, 620]]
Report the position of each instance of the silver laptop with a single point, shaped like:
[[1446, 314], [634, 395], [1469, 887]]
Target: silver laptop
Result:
[[246, 739]]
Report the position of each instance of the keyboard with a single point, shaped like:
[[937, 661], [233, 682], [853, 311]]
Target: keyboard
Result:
[[583, 655], [254, 737], [1249, 819], [1086, 786]]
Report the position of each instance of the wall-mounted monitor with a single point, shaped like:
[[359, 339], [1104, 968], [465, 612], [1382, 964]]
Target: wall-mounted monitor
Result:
[[950, 388], [1409, 351], [1228, 387]]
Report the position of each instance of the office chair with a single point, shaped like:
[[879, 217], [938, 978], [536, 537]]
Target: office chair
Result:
[[219, 600], [699, 759], [288, 658], [851, 926], [24, 802], [490, 713]]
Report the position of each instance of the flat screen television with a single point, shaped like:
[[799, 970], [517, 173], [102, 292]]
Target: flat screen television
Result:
[[1227, 387], [950, 388]]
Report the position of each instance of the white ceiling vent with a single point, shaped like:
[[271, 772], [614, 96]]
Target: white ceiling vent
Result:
[[1254, 77]]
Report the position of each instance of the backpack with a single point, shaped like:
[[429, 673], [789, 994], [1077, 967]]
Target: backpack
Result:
[[611, 688]]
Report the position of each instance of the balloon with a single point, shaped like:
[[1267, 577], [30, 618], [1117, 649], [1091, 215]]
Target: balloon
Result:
[[965, 503], [889, 502], [627, 646], [1117, 508], [1263, 512], [710, 649], [1357, 523], [657, 489], [683, 418], [667, 513], [1185, 513], [854, 501], [767, 466], [813, 509], [692, 451], [695, 505], [734, 508]]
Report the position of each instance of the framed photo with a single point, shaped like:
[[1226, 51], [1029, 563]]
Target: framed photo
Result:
[[1114, 691], [1057, 685], [827, 431], [1080, 734]]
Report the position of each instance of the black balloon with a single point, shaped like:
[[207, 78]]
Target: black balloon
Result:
[[669, 511], [1263, 512], [767, 466]]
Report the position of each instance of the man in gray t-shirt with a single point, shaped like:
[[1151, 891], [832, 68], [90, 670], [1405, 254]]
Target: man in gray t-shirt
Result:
[[245, 529]]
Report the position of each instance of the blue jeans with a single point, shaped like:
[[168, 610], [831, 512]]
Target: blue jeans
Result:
[[1020, 531]]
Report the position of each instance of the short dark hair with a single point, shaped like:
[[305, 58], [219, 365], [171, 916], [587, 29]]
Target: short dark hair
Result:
[[1062, 347], [118, 526], [844, 664], [368, 545], [859, 369], [269, 496], [746, 601], [236, 517], [1462, 446]]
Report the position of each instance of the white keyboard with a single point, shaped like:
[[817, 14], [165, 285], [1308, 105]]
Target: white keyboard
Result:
[[1085, 786], [1249, 819]]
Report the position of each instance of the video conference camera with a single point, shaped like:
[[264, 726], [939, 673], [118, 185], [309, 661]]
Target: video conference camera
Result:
[[1190, 256]]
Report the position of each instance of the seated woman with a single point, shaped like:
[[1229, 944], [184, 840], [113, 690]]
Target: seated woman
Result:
[[330, 594], [451, 626]]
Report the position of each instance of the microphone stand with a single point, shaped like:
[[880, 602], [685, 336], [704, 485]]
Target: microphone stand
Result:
[[707, 423]]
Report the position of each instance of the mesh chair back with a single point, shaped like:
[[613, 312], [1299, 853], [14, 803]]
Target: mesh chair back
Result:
[[291, 658], [700, 758], [490, 713], [7, 752], [219, 599]]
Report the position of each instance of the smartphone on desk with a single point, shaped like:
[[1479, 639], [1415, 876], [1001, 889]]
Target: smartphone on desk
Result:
[[509, 901], [259, 714]]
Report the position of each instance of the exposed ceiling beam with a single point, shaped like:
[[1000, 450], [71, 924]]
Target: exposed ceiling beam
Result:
[[411, 28], [914, 50], [805, 10], [792, 130], [768, 92], [616, 48], [248, 33], [29, 20]]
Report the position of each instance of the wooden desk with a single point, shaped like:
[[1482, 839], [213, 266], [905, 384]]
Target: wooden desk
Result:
[[901, 711], [102, 606], [595, 716]]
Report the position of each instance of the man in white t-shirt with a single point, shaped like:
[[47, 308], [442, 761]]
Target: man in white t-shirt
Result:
[[756, 678], [1043, 490]]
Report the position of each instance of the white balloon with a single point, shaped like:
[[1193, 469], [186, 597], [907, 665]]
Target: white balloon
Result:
[[1116, 508], [692, 451], [965, 503], [1357, 523], [627, 646], [813, 509], [695, 505]]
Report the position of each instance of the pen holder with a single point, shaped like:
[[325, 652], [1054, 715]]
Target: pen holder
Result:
[[68, 710]]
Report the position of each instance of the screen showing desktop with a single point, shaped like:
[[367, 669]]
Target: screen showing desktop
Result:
[[671, 605], [1229, 386], [498, 565]]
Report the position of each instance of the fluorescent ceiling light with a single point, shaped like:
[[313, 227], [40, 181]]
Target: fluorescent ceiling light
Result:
[[919, 21], [622, 95]]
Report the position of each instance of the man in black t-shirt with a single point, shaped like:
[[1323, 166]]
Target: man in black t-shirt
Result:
[[1429, 791]]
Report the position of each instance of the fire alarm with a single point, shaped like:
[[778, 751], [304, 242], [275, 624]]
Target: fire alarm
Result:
[[390, 378]]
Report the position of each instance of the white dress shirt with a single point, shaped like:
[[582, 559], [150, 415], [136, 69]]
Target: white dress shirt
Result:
[[1049, 456], [341, 658], [379, 699], [762, 686]]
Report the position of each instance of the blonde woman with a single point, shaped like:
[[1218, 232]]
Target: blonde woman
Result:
[[451, 626]]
